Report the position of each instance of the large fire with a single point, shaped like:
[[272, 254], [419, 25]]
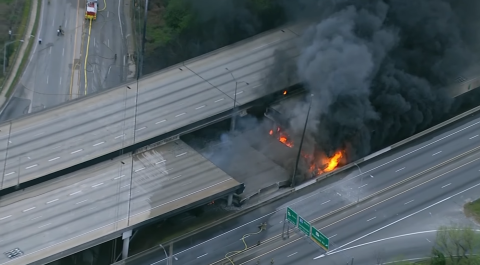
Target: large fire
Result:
[[318, 165]]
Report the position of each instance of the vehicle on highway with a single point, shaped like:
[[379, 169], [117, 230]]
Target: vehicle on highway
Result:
[[91, 10]]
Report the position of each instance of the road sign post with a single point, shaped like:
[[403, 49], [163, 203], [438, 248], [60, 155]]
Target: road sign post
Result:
[[304, 226], [320, 238]]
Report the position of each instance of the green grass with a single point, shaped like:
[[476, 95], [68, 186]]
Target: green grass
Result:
[[472, 209], [31, 41]]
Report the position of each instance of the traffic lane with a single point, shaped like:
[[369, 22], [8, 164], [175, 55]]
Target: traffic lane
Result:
[[331, 199], [52, 85], [396, 209], [457, 130], [16, 107], [349, 232]]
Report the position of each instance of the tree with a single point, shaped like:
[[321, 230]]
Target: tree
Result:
[[460, 245]]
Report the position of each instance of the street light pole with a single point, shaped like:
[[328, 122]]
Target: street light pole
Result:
[[5, 53], [301, 143], [232, 125], [166, 256]]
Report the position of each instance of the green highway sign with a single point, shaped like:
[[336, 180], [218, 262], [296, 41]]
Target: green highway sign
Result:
[[304, 226], [320, 238], [292, 216]]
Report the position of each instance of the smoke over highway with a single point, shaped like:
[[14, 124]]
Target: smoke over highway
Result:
[[377, 68]]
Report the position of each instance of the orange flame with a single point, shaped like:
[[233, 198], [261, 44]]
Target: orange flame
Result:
[[285, 92], [282, 137], [271, 132], [333, 163]]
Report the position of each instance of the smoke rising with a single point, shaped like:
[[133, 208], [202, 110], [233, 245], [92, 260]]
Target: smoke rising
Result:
[[377, 68]]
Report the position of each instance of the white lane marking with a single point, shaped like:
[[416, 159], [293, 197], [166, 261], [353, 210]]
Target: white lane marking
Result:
[[437, 153], [52, 201], [176, 177], [238, 93], [408, 202], [5, 217], [120, 21], [371, 219], [63, 52], [125, 186], [400, 169], [116, 137], [181, 114], [291, 254], [139, 129], [31, 166], [341, 248], [203, 106], [218, 100], [326, 202], [74, 152], [8, 174], [339, 194], [202, 255], [362, 186], [333, 236], [29, 209], [56, 147], [97, 144], [60, 80], [53, 159], [77, 192], [96, 185], [428, 240], [81, 202], [35, 218], [160, 121], [140, 169], [159, 162], [42, 226], [182, 154], [473, 137], [446, 185], [119, 177], [47, 79]]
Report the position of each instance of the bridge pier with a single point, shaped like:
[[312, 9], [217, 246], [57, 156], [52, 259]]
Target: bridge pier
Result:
[[126, 242], [229, 200]]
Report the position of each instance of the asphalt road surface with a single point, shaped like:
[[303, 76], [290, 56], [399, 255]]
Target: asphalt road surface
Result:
[[94, 126], [46, 80], [58, 215], [387, 170], [419, 202], [107, 38]]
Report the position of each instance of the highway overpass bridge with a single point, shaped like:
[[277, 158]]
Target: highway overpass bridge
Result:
[[191, 92], [88, 207]]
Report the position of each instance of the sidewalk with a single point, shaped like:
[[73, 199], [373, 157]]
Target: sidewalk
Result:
[[21, 54]]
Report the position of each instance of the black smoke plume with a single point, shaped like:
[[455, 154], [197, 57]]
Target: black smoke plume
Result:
[[377, 68]]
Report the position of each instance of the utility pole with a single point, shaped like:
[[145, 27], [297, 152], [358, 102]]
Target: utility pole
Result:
[[234, 111], [301, 143]]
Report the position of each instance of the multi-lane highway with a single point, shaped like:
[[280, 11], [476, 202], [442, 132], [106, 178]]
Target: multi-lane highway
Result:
[[58, 215], [46, 81], [411, 206], [105, 51], [55, 139], [377, 174]]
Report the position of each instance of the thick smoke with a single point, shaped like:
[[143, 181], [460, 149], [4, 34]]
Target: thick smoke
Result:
[[377, 69]]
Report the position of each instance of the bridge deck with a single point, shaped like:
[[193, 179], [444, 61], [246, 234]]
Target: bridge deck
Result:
[[100, 202]]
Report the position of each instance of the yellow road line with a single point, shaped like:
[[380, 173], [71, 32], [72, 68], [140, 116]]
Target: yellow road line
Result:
[[86, 55], [104, 5], [376, 204], [74, 48]]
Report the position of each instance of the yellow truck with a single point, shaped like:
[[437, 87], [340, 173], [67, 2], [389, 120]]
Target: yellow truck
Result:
[[91, 10]]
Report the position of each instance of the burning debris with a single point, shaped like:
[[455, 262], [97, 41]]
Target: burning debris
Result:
[[318, 162]]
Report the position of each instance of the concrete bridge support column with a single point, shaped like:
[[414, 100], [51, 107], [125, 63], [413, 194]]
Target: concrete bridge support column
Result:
[[126, 242], [229, 200]]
